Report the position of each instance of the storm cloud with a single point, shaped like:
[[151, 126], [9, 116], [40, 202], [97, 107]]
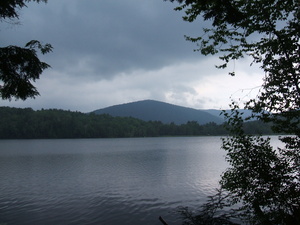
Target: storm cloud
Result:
[[110, 52]]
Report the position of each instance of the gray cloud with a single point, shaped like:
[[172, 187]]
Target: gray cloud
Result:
[[109, 36], [109, 52]]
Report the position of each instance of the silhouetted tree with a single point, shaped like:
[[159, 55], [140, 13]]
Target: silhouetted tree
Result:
[[264, 180], [20, 66]]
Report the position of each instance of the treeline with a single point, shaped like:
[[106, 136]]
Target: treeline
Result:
[[17, 123]]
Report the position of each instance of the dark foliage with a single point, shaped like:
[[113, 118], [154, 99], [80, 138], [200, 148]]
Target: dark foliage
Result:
[[215, 211], [20, 66], [263, 180], [54, 123], [9, 8]]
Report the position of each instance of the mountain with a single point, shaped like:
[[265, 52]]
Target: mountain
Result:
[[244, 113], [150, 110]]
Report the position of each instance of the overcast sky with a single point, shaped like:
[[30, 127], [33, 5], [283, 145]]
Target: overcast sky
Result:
[[109, 52]]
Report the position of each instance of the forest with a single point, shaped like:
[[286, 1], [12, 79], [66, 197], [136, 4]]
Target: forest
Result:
[[18, 123]]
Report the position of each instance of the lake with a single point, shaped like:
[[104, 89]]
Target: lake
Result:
[[106, 181]]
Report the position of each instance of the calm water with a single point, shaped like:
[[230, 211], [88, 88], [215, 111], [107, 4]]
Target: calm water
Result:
[[106, 181]]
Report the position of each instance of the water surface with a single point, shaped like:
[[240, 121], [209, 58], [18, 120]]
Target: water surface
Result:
[[106, 181]]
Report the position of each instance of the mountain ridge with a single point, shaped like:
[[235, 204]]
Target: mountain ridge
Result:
[[152, 110]]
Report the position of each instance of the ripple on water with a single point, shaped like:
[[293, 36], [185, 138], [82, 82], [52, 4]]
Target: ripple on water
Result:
[[118, 181]]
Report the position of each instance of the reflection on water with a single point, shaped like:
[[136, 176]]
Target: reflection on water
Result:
[[105, 181]]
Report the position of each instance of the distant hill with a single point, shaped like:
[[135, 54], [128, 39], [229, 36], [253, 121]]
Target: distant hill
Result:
[[150, 110], [245, 112]]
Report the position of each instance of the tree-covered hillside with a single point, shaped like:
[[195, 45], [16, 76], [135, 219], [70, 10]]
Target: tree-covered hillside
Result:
[[53, 123], [151, 110]]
